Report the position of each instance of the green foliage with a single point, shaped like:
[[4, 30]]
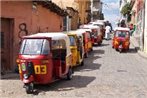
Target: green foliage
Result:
[[126, 9]]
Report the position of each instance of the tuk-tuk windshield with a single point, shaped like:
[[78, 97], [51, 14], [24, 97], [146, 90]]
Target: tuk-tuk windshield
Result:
[[121, 34], [72, 41], [35, 47], [94, 32]]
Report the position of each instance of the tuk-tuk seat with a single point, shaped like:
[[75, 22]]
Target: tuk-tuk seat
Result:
[[59, 54]]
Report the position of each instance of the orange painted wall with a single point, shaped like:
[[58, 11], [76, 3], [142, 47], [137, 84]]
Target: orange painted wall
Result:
[[45, 21], [37, 20]]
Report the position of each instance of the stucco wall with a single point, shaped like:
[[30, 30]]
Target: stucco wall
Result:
[[45, 21], [145, 29], [40, 19]]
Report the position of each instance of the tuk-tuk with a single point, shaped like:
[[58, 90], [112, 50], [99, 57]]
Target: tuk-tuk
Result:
[[86, 41], [44, 58], [97, 36], [77, 49], [102, 27], [89, 37], [121, 39]]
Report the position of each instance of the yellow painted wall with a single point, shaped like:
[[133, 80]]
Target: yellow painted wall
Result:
[[83, 6]]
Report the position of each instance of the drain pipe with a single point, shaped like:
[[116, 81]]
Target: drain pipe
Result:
[[143, 35]]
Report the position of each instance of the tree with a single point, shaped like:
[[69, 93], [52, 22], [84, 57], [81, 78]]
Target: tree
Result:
[[126, 10]]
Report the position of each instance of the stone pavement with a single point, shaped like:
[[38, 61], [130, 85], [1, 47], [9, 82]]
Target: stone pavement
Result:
[[106, 74], [136, 46]]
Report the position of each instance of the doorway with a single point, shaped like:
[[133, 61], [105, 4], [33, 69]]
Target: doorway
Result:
[[6, 44]]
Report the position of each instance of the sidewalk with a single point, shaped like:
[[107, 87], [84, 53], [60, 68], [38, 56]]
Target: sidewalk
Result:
[[136, 45], [10, 75]]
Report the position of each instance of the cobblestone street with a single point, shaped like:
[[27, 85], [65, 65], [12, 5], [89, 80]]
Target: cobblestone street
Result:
[[106, 74]]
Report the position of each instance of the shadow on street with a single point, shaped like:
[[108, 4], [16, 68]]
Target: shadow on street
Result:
[[132, 50], [10, 76], [78, 81], [89, 64], [65, 85]]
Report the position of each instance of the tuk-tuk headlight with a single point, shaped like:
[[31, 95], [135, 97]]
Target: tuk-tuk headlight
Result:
[[17, 60], [127, 43], [23, 67], [116, 42], [25, 76]]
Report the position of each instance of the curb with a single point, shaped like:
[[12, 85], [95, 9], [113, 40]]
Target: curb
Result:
[[142, 54], [139, 52]]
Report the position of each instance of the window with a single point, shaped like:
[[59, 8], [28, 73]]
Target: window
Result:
[[45, 48], [2, 40], [72, 41], [34, 47], [62, 44], [121, 34], [55, 44]]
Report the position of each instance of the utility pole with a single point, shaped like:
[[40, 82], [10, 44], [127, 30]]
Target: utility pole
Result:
[[91, 10]]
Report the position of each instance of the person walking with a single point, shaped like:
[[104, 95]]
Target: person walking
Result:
[[107, 32]]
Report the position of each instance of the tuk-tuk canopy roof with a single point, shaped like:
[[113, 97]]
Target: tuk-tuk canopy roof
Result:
[[80, 31], [121, 29], [71, 32], [77, 32], [53, 36], [91, 26], [101, 21], [97, 23], [87, 29]]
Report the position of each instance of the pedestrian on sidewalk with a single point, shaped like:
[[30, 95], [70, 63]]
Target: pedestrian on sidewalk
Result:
[[107, 32], [131, 26]]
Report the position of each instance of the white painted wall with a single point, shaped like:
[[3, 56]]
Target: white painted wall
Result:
[[145, 29]]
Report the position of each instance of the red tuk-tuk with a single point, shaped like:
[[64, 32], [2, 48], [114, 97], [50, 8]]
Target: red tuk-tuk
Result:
[[121, 39], [44, 58], [87, 43], [96, 34], [101, 24]]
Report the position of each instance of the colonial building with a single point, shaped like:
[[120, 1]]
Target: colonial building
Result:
[[19, 18], [96, 10], [137, 19], [84, 11], [70, 22]]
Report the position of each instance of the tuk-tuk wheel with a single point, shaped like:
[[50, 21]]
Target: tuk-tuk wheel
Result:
[[69, 74], [29, 88], [82, 63], [86, 55], [91, 49], [120, 50], [99, 43]]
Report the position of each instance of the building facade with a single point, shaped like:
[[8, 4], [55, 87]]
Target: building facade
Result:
[[84, 11], [145, 28], [72, 20], [20, 18], [138, 18], [96, 10]]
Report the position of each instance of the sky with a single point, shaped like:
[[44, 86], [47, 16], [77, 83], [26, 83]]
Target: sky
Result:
[[111, 11]]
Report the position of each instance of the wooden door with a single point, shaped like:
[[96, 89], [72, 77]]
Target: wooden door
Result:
[[6, 44]]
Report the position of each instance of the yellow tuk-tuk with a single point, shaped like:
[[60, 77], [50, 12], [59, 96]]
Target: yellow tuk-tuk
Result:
[[77, 49]]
